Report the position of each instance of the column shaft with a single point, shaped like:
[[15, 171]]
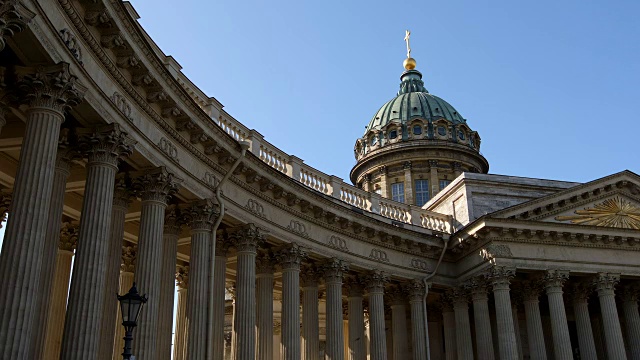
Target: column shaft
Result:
[[463, 329], [516, 326], [484, 339], [378, 340], [559, 327], [290, 257], [537, 349], [504, 319], [264, 310], [197, 300], [632, 320], [449, 320], [127, 267], [419, 334], [182, 323], [333, 270], [613, 333], [310, 320], [399, 331], [357, 349], [172, 228], [219, 274], [583, 327]]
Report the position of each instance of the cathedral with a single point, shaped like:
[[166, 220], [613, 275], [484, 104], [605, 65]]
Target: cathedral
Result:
[[116, 169]]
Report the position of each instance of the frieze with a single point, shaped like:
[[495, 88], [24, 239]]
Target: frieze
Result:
[[338, 243], [168, 148], [210, 179], [255, 208], [419, 264], [379, 255], [71, 43], [121, 103], [298, 228]]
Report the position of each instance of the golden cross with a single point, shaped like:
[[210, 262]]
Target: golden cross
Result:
[[406, 39]]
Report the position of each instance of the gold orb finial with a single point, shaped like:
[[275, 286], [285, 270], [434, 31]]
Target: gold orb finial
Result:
[[409, 63]]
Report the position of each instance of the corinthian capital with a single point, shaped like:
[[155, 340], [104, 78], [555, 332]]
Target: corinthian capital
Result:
[[265, 263], [478, 287], [416, 290], [531, 290], [173, 220], [66, 151], [554, 279], [52, 87], [606, 282], [129, 254], [580, 291], [14, 18], [105, 144], [245, 238], [198, 215], [334, 269], [5, 201], [123, 192], [375, 280], [156, 185], [500, 277], [69, 236], [290, 256], [309, 276], [182, 276]]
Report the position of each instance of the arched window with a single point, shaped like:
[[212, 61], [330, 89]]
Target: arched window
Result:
[[417, 130]]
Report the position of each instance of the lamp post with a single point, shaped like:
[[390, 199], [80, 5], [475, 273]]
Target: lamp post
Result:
[[130, 306]]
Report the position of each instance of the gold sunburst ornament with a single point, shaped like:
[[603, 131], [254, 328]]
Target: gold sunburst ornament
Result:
[[615, 212]]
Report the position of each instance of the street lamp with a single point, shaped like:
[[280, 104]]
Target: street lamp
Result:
[[130, 306]]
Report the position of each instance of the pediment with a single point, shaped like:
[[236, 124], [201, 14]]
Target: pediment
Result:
[[613, 201]]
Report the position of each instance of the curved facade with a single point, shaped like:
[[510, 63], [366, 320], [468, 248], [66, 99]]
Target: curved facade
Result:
[[112, 158]]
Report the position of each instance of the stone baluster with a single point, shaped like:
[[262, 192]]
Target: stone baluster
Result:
[[375, 287], [605, 284], [219, 275], [122, 196], [630, 296], [57, 307], [333, 272], [484, 340], [182, 319], [50, 91], [264, 308], [104, 146], [246, 240], [355, 296], [530, 293], [463, 327], [289, 258], [579, 295], [310, 321], [500, 277], [15, 17], [198, 218], [127, 270], [66, 153], [399, 343], [554, 280], [420, 336], [173, 222], [449, 324]]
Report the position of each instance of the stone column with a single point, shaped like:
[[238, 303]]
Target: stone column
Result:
[[375, 287], [449, 324], [310, 322], [289, 258], [121, 198], [264, 306], [355, 291], [605, 284], [333, 271], [58, 304], [172, 229], [463, 328], [384, 187], [531, 291], [480, 299], [127, 269], [15, 17], [52, 237], [515, 301], [579, 295], [419, 334], [219, 275], [182, 320], [408, 183], [246, 239], [50, 91], [198, 218], [554, 279], [630, 297], [500, 277], [400, 338], [86, 306]]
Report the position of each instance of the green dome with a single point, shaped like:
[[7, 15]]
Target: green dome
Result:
[[413, 101]]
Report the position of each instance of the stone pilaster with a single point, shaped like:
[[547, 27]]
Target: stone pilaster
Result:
[[408, 183], [420, 336], [554, 280], [58, 304], [14, 17], [478, 288], [246, 240], [400, 345], [530, 294], [219, 275], [310, 321], [375, 288], [463, 327], [198, 218], [630, 295], [173, 222], [433, 178], [121, 199], [605, 284], [65, 154], [449, 324], [500, 277], [182, 320], [264, 306], [289, 258], [127, 269], [49, 91], [579, 295], [355, 296], [103, 146], [333, 272]]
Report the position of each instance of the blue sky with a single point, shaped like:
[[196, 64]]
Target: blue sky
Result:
[[551, 86]]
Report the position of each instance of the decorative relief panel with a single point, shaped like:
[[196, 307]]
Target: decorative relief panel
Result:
[[380, 255], [255, 208], [419, 264], [121, 103], [298, 228], [168, 148], [72, 44], [338, 243], [492, 251], [210, 179], [615, 212]]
